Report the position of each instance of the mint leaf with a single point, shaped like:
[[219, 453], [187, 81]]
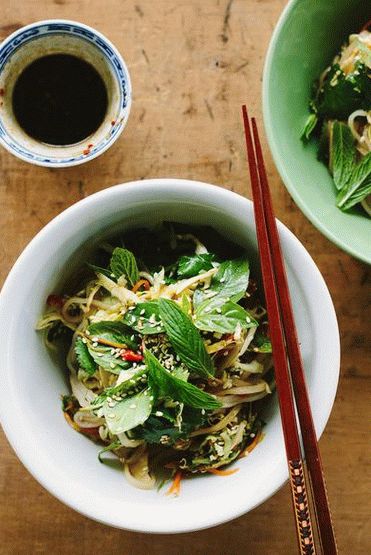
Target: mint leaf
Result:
[[99, 270], [164, 384], [359, 185], [343, 154], [309, 126], [128, 413], [155, 428], [231, 279], [341, 94], [186, 305], [222, 317], [103, 357], [129, 387], [145, 318], [84, 359], [260, 344], [111, 447], [115, 332], [185, 339], [123, 263], [189, 266]]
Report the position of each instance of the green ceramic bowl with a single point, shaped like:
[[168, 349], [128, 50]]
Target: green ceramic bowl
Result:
[[307, 37]]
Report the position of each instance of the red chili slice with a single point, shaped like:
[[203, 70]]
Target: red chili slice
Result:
[[127, 354]]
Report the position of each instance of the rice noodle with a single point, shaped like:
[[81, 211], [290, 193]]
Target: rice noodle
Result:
[[84, 395], [126, 442], [246, 343], [246, 390], [87, 420], [253, 367], [218, 426], [137, 473], [229, 401]]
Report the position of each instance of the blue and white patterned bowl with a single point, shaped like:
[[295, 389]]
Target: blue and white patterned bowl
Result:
[[68, 37]]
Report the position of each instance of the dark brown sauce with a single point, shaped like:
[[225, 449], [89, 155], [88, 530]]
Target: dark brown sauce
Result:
[[59, 99]]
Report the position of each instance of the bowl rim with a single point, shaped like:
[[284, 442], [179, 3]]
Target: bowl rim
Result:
[[124, 111], [188, 189], [349, 247]]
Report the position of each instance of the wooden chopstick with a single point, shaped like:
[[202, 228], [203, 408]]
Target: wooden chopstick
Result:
[[311, 451], [282, 374]]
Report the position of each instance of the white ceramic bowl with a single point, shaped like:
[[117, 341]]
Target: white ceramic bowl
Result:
[[65, 462]]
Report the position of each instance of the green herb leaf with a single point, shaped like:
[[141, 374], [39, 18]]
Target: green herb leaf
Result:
[[128, 413], [155, 428], [309, 126], [260, 344], [99, 270], [116, 332], [129, 387], [103, 357], [186, 305], [164, 384], [341, 94], [185, 339], [145, 318], [359, 185], [84, 358], [110, 447], [222, 317], [231, 279], [123, 263], [189, 266], [343, 154]]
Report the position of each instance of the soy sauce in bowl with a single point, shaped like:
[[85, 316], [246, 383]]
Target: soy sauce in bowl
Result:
[[59, 99]]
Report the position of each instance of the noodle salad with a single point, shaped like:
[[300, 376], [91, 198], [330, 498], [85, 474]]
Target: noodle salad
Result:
[[341, 117], [168, 353]]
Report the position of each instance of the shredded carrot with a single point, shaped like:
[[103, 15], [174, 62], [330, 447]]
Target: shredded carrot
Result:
[[175, 486], [140, 283], [220, 472], [257, 439]]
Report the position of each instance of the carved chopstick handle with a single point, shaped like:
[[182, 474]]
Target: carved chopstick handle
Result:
[[301, 508]]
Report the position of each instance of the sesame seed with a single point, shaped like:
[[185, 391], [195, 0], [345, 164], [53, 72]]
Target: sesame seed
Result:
[[222, 280], [84, 340], [94, 339], [112, 365], [133, 406], [248, 320], [142, 312], [95, 344], [87, 332], [159, 413]]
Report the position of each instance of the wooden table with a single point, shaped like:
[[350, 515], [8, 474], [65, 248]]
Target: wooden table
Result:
[[192, 63]]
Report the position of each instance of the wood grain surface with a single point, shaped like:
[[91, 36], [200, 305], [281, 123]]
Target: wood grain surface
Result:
[[192, 63]]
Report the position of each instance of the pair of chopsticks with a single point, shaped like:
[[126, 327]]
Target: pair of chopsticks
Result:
[[289, 371]]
